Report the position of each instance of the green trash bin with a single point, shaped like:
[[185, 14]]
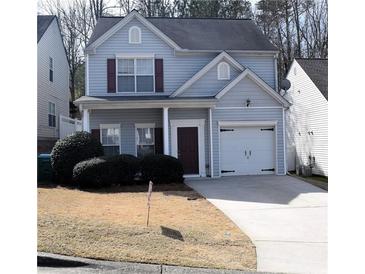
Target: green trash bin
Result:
[[45, 172]]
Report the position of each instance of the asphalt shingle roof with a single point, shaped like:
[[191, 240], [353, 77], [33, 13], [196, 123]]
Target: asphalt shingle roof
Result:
[[317, 70], [201, 33], [43, 22]]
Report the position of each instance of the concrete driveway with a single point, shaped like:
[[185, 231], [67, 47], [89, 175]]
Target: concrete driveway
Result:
[[285, 217]]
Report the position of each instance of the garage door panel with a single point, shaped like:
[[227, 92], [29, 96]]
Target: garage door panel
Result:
[[247, 150]]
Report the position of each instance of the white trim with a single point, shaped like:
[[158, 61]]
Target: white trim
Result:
[[211, 142], [219, 71], [86, 120], [135, 55], [205, 69], [87, 74], [258, 81], [130, 36], [134, 14], [248, 108], [165, 130], [200, 123], [247, 124], [284, 140]]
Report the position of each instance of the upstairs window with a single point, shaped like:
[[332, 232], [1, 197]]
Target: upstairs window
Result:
[[51, 69], [223, 71], [134, 35], [135, 75], [51, 114]]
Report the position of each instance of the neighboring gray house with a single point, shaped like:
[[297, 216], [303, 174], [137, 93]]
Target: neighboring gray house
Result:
[[307, 118], [202, 90], [53, 93]]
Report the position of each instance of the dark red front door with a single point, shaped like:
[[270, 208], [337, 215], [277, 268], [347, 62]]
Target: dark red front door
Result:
[[188, 149]]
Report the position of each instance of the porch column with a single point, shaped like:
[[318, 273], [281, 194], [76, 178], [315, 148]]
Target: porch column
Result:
[[85, 120], [166, 149]]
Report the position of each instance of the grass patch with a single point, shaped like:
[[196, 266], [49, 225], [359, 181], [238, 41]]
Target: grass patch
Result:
[[110, 224]]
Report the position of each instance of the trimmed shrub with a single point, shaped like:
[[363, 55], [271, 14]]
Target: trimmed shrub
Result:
[[124, 168], [71, 150], [106, 171], [162, 169], [92, 173]]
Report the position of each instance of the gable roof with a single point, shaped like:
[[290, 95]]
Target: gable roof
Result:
[[216, 34], [248, 73], [205, 69], [317, 70], [43, 22]]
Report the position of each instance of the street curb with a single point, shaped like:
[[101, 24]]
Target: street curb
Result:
[[56, 260]]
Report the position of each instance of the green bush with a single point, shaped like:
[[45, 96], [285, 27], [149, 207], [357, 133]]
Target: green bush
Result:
[[124, 168], [71, 150], [106, 171], [162, 169]]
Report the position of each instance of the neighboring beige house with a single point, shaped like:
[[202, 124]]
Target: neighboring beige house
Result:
[[53, 94], [307, 118]]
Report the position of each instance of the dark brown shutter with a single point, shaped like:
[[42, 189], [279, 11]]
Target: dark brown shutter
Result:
[[159, 75], [96, 134], [158, 141], [111, 76]]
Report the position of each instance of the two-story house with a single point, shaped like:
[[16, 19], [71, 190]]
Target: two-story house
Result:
[[307, 118], [202, 90], [53, 93]]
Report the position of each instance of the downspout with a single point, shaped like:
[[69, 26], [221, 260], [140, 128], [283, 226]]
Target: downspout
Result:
[[284, 141], [87, 74]]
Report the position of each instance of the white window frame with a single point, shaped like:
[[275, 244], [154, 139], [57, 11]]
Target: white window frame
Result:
[[144, 125], [52, 115], [219, 71], [151, 57], [51, 68], [107, 126], [130, 35]]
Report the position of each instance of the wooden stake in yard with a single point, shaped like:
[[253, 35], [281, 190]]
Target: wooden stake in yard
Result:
[[149, 201]]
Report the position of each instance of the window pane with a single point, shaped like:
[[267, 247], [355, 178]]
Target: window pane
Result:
[[51, 108], [144, 83], [126, 83], [126, 66], [51, 120], [143, 150], [110, 136], [111, 150], [144, 66], [50, 63], [146, 136]]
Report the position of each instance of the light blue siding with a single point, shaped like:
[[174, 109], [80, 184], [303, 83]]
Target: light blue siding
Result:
[[247, 89], [177, 68], [209, 85], [267, 114], [127, 118], [262, 65]]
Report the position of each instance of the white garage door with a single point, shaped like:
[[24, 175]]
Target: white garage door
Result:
[[247, 150]]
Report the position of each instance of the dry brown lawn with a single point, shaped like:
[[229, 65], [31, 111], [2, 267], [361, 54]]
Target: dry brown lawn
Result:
[[111, 225]]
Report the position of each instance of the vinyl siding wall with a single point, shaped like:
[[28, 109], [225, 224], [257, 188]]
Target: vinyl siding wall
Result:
[[264, 114], [177, 68], [309, 112], [246, 89], [57, 91], [209, 85]]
